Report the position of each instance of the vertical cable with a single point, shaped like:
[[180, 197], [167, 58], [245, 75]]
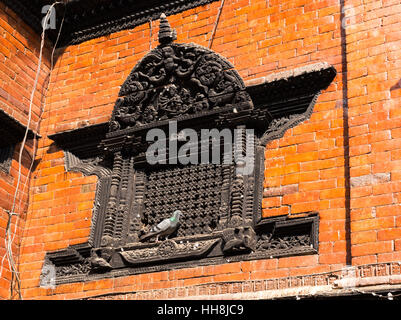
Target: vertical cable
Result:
[[150, 34], [216, 24], [41, 113], [11, 213]]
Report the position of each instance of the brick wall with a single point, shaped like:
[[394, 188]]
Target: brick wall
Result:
[[19, 53], [374, 82], [355, 188]]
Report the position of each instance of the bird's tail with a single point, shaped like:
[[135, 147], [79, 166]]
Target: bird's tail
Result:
[[147, 236]]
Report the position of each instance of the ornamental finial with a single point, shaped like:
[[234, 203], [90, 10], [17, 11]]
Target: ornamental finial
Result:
[[166, 34]]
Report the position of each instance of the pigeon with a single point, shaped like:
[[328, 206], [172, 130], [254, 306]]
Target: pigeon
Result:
[[164, 228]]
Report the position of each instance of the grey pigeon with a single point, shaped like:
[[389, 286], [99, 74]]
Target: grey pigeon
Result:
[[164, 228]]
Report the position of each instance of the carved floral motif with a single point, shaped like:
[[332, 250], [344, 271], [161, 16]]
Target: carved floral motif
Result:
[[282, 243], [80, 268], [168, 249], [174, 80]]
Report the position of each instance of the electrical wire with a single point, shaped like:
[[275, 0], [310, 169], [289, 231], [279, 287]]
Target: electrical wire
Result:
[[216, 24], [41, 113], [8, 239], [40, 118], [150, 34]]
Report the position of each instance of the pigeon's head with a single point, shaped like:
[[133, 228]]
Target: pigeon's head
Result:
[[176, 215]]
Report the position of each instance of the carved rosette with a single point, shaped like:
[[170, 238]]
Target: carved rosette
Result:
[[167, 248]]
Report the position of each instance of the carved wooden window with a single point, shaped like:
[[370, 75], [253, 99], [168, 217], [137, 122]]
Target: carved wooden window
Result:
[[221, 207]]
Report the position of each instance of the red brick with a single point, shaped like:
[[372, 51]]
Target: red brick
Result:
[[363, 237], [300, 261], [372, 224], [371, 248], [390, 210], [271, 212], [231, 277], [332, 258], [389, 234], [269, 274], [364, 260]]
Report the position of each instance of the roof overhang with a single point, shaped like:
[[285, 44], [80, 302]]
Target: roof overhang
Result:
[[88, 19]]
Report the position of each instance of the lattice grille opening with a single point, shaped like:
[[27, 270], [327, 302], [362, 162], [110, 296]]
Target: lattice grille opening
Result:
[[195, 190]]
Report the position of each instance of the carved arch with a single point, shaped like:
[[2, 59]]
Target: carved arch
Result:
[[177, 81]]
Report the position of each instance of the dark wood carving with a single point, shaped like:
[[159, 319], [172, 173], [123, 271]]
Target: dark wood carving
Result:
[[220, 204], [177, 80], [275, 238], [93, 166], [88, 19]]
